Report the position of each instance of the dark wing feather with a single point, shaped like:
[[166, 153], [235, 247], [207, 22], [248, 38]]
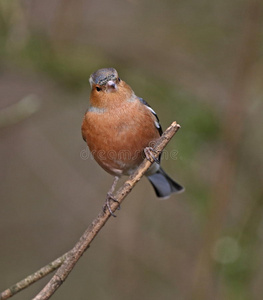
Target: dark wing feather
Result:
[[157, 122]]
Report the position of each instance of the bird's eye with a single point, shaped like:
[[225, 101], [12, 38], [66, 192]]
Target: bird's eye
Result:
[[98, 88], [119, 79]]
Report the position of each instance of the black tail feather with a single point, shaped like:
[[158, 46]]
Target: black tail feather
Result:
[[164, 185]]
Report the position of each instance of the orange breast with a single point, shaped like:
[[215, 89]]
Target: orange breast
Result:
[[117, 137]]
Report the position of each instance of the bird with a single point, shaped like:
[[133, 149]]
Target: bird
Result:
[[120, 129]]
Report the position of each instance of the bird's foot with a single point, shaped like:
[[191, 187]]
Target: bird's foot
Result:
[[107, 204], [150, 155]]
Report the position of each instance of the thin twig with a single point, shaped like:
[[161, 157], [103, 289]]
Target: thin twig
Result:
[[26, 282], [67, 262]]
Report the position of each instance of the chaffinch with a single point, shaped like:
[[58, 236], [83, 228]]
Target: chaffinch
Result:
[[118, 127]]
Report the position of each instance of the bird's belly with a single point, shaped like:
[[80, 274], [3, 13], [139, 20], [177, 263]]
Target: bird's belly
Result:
[[117, 154], [118, 145]]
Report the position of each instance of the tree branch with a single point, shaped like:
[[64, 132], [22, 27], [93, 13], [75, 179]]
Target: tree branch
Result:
[[66, 262], [26, 282]]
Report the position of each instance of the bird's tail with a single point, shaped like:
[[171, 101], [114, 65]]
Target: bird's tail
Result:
[[164, 185]]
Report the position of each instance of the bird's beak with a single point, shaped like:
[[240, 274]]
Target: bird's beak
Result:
[[111, 86]]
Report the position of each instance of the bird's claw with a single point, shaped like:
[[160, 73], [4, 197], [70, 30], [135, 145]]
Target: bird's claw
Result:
[[107, 204], [149, 154]]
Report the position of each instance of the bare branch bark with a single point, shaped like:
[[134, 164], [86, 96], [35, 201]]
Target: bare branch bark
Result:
[[26, 282], [66, 262]]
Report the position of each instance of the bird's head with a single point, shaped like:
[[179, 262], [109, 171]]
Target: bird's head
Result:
[[107, 88]]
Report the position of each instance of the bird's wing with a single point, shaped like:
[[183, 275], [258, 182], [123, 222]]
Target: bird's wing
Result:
[[157, 122]]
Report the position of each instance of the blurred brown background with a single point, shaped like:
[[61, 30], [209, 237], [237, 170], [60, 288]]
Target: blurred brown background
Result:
[[196, 62]]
